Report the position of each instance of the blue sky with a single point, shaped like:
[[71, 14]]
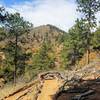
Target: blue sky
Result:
[[61, 13], [11, 2]]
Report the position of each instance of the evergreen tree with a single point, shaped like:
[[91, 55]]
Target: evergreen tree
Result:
[[96, 39], [15, 27], [3, 15], [41, 60], [88, 8], [74, 44]]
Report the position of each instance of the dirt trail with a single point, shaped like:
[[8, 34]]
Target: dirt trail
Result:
[[51, 81], [50, 87]]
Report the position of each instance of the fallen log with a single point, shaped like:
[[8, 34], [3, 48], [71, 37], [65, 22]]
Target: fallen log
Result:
[[21, 89], [77, 90], [22, 95], [83, 95]]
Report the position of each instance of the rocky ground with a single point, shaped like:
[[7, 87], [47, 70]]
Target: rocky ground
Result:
[[79, 84]]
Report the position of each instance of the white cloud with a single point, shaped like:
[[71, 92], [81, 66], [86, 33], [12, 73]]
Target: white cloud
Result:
[[61, 13], [98, 18]]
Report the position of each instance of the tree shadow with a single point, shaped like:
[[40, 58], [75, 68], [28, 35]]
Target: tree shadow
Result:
[[83, 90]]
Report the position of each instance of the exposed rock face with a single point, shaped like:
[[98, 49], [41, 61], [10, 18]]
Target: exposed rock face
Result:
[[2, 56], [2, 81]]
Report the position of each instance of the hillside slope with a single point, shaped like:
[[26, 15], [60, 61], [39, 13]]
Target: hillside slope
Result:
[[37, 35], [40, 34]]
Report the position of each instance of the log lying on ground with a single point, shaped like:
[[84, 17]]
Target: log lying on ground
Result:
[[77, 90], [83, 95], [22, 89], [22, 95], [85, 91]]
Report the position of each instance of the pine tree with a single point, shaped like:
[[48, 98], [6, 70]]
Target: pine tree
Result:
[[15, 27], [74, 44], [88, 8], [96, 39]]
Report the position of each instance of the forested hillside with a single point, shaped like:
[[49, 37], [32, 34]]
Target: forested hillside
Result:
[[50, 56], [46, 48]]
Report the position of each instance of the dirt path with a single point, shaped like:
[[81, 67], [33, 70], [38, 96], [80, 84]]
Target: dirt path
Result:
[[50, 87]]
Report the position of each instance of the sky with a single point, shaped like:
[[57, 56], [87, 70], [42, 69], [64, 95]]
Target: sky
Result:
[[61, 13]]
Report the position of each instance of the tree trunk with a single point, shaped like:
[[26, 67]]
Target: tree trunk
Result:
[[87, 57], [88, 47], [15, 59], [89, 34]]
